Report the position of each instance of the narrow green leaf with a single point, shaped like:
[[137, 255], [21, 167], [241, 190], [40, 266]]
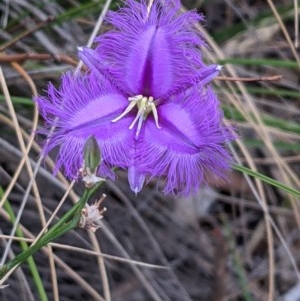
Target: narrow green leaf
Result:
[[24, 246], [266, 179], [260, 62], [285, 125]]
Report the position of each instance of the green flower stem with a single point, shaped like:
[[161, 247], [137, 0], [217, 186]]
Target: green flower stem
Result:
[[68, 222]]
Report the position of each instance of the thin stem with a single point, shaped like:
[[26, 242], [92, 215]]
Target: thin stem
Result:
[[68, 222]]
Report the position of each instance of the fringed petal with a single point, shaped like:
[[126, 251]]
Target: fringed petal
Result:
[[189, 145], [151, 53], [85, 106]]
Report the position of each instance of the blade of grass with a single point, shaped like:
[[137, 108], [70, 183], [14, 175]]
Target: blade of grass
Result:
[[285, 125], [259, 62], [278, 144], [24, 246], [267, 179], [19, 100], [272, 91]]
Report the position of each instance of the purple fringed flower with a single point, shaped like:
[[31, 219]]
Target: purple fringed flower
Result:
[[147, 101]]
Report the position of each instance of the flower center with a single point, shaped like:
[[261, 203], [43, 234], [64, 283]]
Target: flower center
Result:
[[145, 106]]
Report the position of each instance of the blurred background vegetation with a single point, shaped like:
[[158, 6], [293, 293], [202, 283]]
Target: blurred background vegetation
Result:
[[238, 240]]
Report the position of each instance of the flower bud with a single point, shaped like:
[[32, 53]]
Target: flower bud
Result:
[[92, 160], [92, 155]]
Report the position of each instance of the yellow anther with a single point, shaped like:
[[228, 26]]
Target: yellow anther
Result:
[[145, 105]]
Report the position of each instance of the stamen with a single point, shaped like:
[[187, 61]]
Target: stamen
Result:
[[145, 106], [154, 111], [149, 7], [133, 101]]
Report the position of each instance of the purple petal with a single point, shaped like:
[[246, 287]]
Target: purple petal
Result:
[[201, 78], [189, 145], [153, 75], [136, 179], [85, 106], [153, 55]]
